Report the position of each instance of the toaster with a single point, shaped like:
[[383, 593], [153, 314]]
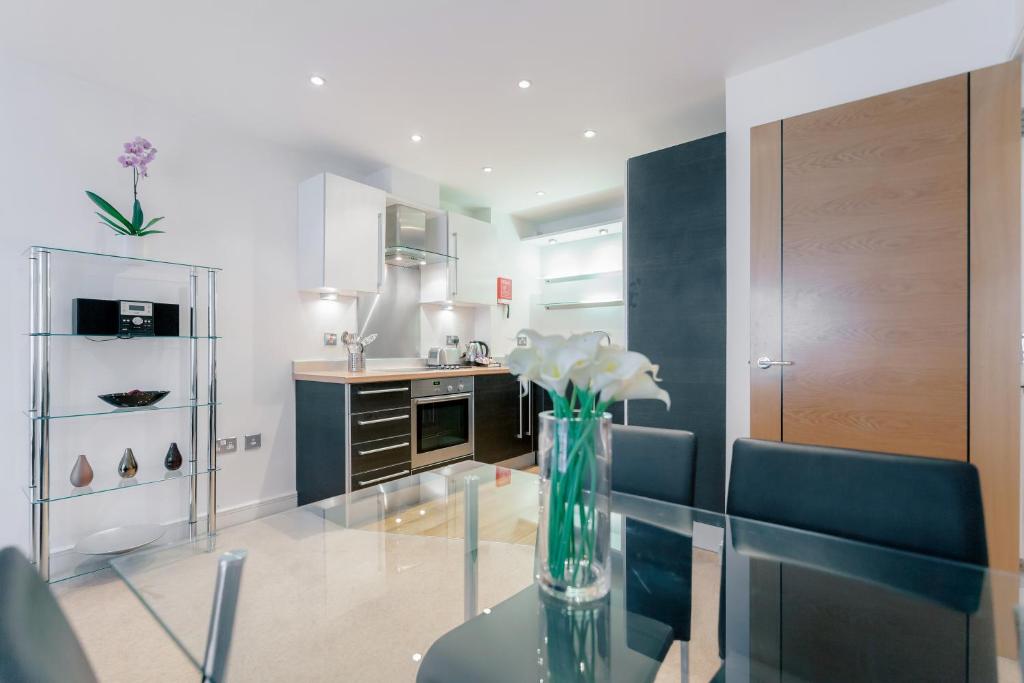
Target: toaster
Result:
[[440, 356], [450, 355]]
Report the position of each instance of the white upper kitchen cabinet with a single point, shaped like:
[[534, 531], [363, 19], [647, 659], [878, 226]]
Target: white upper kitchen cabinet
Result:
[[341, 235], [471, 278]]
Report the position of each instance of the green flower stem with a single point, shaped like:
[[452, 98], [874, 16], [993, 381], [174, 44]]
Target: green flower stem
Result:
[[568, 548]]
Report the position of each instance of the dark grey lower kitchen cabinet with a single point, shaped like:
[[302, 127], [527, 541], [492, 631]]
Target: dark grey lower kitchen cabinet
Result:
[[319, 440], [501, 419]]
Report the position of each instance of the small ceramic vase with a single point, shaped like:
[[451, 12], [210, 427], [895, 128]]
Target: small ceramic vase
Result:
[[81, 473], [128, 465], [173, 459]]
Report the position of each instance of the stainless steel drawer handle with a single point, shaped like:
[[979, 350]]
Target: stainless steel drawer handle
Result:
[[384, 448], [382, 419], [384, 478], [764, 362], [365, 392]]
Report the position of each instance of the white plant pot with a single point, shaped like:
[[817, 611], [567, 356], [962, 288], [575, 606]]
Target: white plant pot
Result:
[[122, 245]]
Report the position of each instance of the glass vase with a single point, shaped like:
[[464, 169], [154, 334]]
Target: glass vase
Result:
[[574, 458]]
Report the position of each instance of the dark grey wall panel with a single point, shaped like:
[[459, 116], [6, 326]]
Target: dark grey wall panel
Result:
[[675, 240]]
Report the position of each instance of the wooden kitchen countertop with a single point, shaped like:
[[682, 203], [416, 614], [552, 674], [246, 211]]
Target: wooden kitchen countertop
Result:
[[318, 372]]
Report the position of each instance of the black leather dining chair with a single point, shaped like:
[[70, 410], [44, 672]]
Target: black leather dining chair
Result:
[[660, 464], [654, 463], [37, 644], [925, 506], [36, 641]]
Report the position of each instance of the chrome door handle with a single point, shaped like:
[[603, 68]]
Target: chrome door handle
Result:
[[367, 392], [384, 448], [381, 419], [519, 399], [764, 362], [380, 251], [455, 280], [529, 410], [384, 478]]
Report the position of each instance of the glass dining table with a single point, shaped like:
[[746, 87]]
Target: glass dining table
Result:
[[430, 578]]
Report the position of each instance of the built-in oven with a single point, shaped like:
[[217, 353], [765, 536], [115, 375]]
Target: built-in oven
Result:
[[442, 420]]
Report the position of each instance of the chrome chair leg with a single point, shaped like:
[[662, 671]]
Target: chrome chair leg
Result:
[[222, 616]]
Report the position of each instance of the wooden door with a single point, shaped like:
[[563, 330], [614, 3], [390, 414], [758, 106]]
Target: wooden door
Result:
[[874, 273], [885, 265]]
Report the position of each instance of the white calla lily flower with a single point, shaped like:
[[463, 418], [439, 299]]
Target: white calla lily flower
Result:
[[609, 372], [640, 385]]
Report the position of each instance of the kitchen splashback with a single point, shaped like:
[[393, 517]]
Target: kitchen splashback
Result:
[[394, 315]]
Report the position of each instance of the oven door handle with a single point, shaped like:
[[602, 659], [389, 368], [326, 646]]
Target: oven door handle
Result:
[[439, 399]]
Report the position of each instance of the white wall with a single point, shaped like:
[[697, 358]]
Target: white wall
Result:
[[229, 201], [952, 38]]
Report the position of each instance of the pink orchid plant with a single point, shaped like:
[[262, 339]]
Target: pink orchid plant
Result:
[[138, 154]]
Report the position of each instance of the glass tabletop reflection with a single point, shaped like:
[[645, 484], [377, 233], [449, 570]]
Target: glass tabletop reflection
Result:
[[385, 584]]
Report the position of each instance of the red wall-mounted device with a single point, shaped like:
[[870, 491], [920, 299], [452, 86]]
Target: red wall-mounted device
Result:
[[504, 290]]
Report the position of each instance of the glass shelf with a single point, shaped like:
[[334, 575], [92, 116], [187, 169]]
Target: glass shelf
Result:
[[63, 490], [110, 410], [82, 252], [111, 337], [559, 305], [68, 564], [580, 276], [411, 257]]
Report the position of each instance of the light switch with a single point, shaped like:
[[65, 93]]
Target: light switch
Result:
[[330, 338]]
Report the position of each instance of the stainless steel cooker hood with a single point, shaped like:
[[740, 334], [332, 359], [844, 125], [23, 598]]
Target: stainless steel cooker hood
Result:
[[412, 238]]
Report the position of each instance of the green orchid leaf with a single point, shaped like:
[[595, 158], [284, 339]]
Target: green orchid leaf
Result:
[[111, 224], [150, 232], [109, 208], [153, 222], [137, 215]]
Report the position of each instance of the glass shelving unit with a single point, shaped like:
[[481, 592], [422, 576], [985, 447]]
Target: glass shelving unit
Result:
[[44, 489]]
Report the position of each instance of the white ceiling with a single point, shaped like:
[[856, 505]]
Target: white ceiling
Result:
[[645, 74]]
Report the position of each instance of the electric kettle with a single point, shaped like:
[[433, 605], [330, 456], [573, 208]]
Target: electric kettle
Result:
[[477, 351]]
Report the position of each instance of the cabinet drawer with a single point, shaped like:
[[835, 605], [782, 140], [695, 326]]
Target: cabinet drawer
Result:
[[372, 455], [380, 424], [379, 396], [380, 476]]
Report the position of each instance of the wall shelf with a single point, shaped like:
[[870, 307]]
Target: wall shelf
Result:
[[562, 305], [581, 276]]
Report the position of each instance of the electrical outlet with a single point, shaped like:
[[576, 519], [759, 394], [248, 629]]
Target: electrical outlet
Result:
[[522, 340], [253, 441], [228, 445], [330, 338]]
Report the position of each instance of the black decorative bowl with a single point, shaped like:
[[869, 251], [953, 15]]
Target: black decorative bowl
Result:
[[134, 398]]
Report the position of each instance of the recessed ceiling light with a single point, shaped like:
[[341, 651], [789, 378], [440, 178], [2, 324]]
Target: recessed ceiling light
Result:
[[486, 169], [602, 231], [317, 80], [417, 657], [524, 84], [415, 137], [540, 193], [588, 133], [552, 241]]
